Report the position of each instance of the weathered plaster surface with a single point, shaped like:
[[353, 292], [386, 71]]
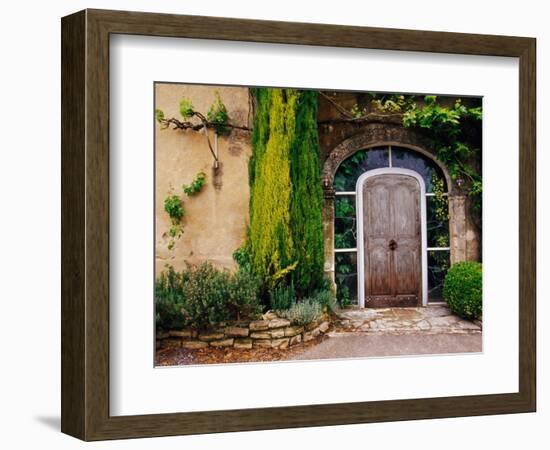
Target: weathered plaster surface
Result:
[[216, 219]]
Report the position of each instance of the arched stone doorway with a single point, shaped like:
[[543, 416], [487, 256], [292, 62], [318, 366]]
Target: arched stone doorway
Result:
[[379, 140]]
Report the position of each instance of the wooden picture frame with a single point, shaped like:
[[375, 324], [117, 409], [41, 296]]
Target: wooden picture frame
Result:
[[85, 224]]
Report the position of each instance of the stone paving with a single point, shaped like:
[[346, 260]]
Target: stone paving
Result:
[[433, 319]]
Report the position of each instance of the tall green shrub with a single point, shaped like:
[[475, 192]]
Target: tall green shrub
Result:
[[271, 240], [307, 197]]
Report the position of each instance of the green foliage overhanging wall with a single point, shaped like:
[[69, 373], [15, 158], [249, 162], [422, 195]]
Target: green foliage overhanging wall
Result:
[[286, 239]]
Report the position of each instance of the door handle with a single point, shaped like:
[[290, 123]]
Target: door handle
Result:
[[392, 245]]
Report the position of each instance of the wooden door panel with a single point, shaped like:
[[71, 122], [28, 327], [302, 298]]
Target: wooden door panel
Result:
[[392, 240], [406, 274], [405, 211], [379, 267], [378, 202]]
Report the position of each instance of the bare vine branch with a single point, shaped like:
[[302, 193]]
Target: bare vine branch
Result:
[[343, 111], [370, 117], [203, 126], [186, 125]]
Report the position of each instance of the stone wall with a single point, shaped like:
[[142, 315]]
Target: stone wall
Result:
[[269, 332], [216, 219]]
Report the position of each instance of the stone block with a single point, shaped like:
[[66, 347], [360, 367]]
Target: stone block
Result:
[[260, 335], [279, 323], [171, 343], [270, 315], [183, 333], [243, 343], [211, 336], [278, 333], [236, 332], [295, 340], [280, 343], [324, 327], [307, 336], [293, 331], [193, 345], [311, 326], [259, 325], [222, 343], [163, 334], [262, 343]]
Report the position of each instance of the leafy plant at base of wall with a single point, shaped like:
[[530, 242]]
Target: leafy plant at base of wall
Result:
[[243, 258], [326, 298], [169, 299], [462, 289], [303, 312], [242, 297], [202, 297], [271, 242], [196, 185], [282, 297], [306, 204]]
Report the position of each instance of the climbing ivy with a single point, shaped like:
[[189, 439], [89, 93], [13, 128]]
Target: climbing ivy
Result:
[[306, 221], [441, 201], [218, 116], [451, 129], [196, 185], [173, 205]]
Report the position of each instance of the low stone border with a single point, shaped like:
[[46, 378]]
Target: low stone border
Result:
[[269, 332]]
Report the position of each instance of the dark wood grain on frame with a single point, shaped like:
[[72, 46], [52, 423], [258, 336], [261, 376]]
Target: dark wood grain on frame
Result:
[[85, 224]]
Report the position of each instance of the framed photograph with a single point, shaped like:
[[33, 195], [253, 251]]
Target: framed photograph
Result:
[[272, 225]]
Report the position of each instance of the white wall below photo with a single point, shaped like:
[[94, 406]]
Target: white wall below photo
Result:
[[139, 388]]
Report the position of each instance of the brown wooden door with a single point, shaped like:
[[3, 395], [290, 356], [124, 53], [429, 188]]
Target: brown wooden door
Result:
[[392, 241]]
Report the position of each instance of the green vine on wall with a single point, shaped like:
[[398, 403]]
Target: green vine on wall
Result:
[[450, 129], [173, 206], [196, 185], [440, 199]]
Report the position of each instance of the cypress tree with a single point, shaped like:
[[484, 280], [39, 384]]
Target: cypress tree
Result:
[[306, 222], [286, 231], [271, 241]]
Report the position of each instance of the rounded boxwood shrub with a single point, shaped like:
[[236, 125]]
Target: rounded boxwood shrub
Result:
[[462, 289]]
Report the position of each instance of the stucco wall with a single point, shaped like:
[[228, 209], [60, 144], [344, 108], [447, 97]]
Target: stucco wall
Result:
[[216, 219]]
